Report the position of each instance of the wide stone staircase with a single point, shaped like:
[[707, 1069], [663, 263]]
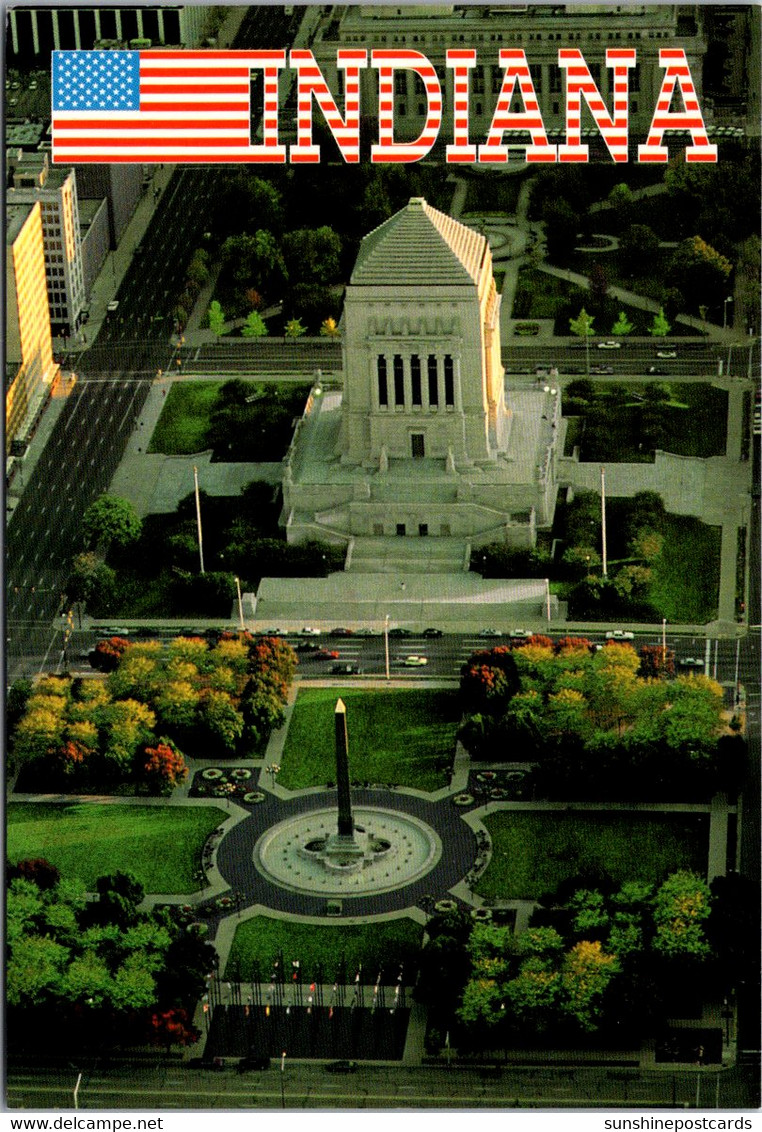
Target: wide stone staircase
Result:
[[408, 556]]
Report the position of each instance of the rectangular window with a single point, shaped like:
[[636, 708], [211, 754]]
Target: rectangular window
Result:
[[478, 80], [417, 445], [400, 82], [449, 380], [401, 529], [415, 379], [383, 394], [423, 529], [399, 381], [433, 380]]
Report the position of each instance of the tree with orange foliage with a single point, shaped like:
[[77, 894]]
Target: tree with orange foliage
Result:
[[163, 766]]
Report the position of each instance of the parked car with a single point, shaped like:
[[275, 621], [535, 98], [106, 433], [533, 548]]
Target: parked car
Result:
[[415, 661], [520, 634], [274, 633], [620, 635], [327, 654], [253, 1061], [691, 662], [113, 306], [307, 646], [610, 345], [397, 632], [346, 668], [432, 633], [656, 371], [601, 369], [308, 631], [666, 353], [365, 632], [341, 1067], [490, 633], [341, 633]]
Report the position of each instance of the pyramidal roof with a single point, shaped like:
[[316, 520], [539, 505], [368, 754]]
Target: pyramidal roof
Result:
[[419, 246]]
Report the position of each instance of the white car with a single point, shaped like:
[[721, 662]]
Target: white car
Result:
[[415, 661], [490, 633], [520, 634], [308, 631], [113, 306], [620, 635], [691, 662], [610, 345], [666, 353]]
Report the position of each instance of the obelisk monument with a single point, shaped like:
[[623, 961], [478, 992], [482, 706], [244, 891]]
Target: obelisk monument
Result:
[[346, 822]]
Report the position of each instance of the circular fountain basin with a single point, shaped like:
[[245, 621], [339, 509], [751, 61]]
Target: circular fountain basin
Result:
[[392, 850]]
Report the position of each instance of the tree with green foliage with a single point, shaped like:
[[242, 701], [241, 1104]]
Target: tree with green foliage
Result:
[[659, 328], [582, 325], [294, 328], [216, 318], [312, 255], [638, 244], [255, 261], [111, 519], [681, 907], [622, 327], [700, 272], [255, 326]]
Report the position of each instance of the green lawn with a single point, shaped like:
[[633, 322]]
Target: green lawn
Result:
[[686, 575], [394, 737], [160, 845], [375, 946], [625, 426], [534, 852], [181, 428]]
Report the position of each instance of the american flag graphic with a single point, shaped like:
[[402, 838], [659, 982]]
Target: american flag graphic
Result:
[[152, 106]]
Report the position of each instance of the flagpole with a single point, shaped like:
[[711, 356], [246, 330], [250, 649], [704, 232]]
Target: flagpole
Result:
[[603, 521]]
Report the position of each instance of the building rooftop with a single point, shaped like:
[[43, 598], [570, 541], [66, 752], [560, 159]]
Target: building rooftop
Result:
[[419, 246], [15, 218]]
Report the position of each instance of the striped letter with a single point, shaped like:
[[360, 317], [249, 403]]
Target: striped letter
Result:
[[580, 82], [461, 62], [677, 73], [387, 149], [529, 120], [310, 83], [271, 62]]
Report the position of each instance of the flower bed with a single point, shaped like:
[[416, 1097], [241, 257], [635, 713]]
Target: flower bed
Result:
[[463, 800]]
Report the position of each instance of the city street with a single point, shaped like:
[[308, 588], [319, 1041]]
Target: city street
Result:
[[306, 1085]]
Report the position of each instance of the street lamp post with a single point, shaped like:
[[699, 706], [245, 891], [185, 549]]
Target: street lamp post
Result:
[[386, 645], [241, 622], [725, 311], [282, 1080], [76, 1092]]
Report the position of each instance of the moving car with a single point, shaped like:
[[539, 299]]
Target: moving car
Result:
[[610, 345], [307, 646], [341, 1067], [666, 353], [345, 669], [620, 635], [327, 654], [415, 661], [113, 306]]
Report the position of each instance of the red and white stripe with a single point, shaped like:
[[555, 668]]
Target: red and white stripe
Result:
[[311, 84], [194, 107], [677, 73], [529, 120], [461, 61], [579, 83], [387, 150]]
